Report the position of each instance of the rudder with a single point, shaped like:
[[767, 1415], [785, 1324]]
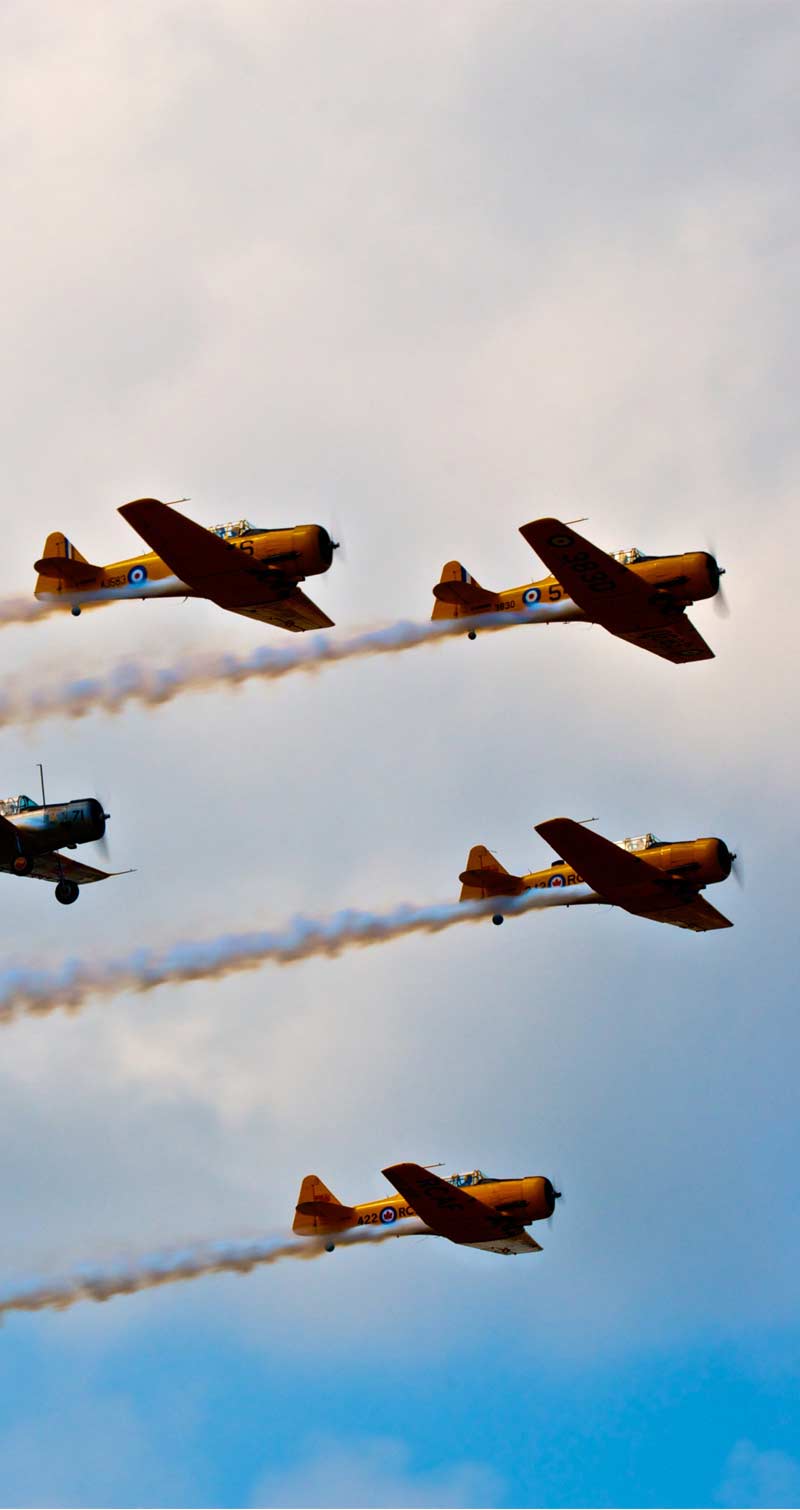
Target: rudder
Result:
[[458, 595], [486, 877], [62, 563], [318, 1209]]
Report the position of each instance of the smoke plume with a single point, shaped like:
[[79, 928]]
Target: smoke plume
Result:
[[177, 1264], [72, 984], [25, 611], [135, 681]]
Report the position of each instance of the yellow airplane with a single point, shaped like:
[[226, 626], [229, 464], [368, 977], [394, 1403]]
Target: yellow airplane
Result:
[[31, 833], [646, 876], [472, 1209], [241, 567], [636, 597]]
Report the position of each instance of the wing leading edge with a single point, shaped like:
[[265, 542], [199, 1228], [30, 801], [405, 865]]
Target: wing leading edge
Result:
[[624, 880], [612, 595], [56, 867], [455, 1214], [216, 569]]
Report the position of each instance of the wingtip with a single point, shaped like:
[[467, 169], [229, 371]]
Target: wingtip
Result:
[[533, 527], [129, 510]]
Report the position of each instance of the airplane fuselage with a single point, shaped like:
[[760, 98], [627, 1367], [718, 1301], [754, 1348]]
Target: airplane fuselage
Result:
[[686, 579], [31, 834], [289, 554], [40, 830], [701, 862], [526, 1200]]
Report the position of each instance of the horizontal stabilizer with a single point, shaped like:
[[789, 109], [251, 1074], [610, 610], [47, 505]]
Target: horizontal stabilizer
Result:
[[465, 595], [484, 876], [66, 569], [494, 883], [327, 1211], [457, 590]]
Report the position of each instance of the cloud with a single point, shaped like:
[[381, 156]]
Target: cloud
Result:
[[438, 277], [756, 1477], [88, 1449], [374, 1471]]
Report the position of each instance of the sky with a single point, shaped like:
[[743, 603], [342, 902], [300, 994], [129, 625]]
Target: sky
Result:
[[419, 275]]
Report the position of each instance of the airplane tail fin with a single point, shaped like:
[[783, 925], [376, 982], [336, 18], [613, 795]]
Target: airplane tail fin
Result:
[[318, 1210], [458, 595], [62, 565], [486, 877]]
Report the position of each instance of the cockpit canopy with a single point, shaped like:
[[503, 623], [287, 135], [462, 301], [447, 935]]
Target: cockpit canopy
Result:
[[642, 841], [232, 531], [627, 558], [475, 1177], [10, 806]]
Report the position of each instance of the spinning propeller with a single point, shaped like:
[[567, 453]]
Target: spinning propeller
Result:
[[721, 604], [102, 842]]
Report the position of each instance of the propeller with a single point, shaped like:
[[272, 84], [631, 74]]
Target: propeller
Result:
[[102, 842], [737, 868], [722, 607], [337, 535], [558, 1195]]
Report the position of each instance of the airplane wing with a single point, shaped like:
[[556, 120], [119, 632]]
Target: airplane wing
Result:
[[612, 595], [292, 611], [55, 867], [627, 881], [9, 840], [218, 570], [453, 1212]]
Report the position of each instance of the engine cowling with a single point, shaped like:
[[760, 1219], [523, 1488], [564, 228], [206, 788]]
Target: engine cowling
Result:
[[539, 1196], [687, 579], [314, 549], [701, 861]]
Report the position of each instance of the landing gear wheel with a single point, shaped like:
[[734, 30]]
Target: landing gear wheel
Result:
[[498, 919], [329, 1247], [472, 634], [67, 892], [75, 611]]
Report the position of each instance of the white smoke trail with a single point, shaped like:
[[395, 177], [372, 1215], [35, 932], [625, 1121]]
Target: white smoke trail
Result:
[[70, 985], [178, 1264], [25, 611], [136, 681]]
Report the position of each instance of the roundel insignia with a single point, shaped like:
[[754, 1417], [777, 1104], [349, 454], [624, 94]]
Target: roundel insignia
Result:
[[556, 881], [531, 596], [388, 1215], [136, 575], [560, 540]]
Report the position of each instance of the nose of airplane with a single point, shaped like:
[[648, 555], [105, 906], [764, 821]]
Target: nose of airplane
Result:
[[97, 816], [552, 1195], [725, 857], [715, 571], [327, 546]]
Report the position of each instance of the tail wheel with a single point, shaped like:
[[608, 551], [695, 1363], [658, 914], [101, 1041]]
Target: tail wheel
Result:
[[67, 892]]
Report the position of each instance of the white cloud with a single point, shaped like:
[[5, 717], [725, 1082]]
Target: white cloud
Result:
[[756, 1477], [376, 1471], [439, 278]]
